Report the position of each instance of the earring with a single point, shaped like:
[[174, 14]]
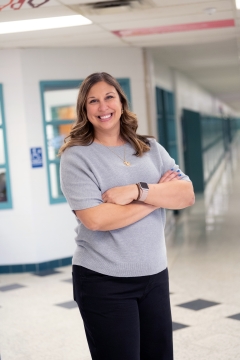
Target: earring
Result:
[[122, 111]]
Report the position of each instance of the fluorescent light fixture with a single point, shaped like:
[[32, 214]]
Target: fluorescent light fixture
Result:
[[43, 24], [238, 4]]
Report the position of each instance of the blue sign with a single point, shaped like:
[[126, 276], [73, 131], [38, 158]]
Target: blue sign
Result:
[[36, 157]]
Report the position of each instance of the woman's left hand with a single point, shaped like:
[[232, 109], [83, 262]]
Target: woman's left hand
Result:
[[121, 195], [170, 175]]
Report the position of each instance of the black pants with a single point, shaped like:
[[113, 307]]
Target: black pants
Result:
[[125, 318]]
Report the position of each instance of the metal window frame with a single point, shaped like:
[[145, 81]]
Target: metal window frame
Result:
[[61, 85], [5, 165]]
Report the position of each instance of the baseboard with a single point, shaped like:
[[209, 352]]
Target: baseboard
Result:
[[46, 265]]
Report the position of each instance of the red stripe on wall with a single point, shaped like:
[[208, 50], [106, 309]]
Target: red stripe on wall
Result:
[[176, 28]]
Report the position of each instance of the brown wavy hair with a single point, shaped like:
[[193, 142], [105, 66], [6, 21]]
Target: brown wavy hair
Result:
[[82, 132]]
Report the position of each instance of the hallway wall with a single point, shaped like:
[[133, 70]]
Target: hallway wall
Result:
[[188, 95], [35, 231]]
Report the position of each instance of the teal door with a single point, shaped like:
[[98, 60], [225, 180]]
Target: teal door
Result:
[[166, 121], [192, 145]]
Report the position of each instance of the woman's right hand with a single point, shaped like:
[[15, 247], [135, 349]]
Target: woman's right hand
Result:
[[121, 195], [170, 175]]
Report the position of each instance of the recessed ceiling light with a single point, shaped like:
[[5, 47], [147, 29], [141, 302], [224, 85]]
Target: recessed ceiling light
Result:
[[43, 24], [238, 4], [210, 11]]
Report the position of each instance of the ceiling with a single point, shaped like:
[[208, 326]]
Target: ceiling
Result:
[[199, 37]]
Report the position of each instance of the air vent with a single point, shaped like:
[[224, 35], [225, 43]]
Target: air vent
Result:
[[112, 4], [112, 7]]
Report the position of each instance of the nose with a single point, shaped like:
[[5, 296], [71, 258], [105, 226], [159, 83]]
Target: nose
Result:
[[103, 106]]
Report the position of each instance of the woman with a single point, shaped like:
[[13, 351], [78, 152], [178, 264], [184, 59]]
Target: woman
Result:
[[118, 183]]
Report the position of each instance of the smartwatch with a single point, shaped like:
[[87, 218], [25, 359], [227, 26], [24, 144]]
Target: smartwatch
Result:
[[143, 190]]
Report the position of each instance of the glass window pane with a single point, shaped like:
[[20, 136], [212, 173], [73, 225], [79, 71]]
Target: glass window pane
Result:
[[55, 138], [55, 181], [2, 155], [3, 186], [60, 104]]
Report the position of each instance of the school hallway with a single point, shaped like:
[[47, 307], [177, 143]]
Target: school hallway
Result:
[[39, 320]]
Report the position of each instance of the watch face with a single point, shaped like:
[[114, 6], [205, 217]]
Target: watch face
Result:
[[144, 185]]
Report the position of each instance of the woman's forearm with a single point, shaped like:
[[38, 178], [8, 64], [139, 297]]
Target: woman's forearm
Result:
[[109, 216], [171, 195]]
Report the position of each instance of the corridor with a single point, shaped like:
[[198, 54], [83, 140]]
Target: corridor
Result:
[[40, 321]]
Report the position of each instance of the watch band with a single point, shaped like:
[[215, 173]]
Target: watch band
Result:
[[144, 191], [139, 192]]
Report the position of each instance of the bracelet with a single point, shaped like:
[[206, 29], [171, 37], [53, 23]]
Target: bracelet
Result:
[[139, 192]]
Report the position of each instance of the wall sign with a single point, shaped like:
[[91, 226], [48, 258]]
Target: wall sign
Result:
[[36, 157]]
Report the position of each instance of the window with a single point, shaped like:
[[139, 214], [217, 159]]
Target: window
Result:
[[5, 191], [58, 107]]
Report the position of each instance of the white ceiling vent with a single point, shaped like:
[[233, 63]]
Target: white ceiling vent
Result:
[[112, 7]]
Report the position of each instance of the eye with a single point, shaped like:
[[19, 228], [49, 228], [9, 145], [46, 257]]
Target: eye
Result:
[[92, 101], [109, 97]]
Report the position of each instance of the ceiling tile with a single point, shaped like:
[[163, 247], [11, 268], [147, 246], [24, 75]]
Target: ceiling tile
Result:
[[178, 2], [181, 38], [58, 33], [159, 43], [41, 12], [204, 33], [81, 2], [237, 22], [134, 24], [65, 42], [168, 11]]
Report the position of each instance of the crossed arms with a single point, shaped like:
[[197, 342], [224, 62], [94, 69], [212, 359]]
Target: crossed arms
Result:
[[119, 208]]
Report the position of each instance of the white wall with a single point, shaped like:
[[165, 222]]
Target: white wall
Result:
[[34, 231], [157, 75], [163, 76], [17, 243]]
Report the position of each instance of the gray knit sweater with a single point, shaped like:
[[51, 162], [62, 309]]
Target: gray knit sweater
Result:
[[86, 173]]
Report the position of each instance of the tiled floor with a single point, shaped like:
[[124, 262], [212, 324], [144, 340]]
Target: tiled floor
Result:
[[40, 321]]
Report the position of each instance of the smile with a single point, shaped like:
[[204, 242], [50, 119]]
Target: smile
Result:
[[105, 117]]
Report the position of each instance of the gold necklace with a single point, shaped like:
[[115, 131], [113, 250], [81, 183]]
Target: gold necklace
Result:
[[127, 163]]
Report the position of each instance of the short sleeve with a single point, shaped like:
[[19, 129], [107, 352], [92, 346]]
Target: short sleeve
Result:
[[168, 162], [78, 182]]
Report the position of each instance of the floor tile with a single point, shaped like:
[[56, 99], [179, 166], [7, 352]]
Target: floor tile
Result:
[[235, 317], [11, 287], [68, 305], [198, 304], [189, 351], [68, 280], [178, 326], [222, 342], [47, 272]]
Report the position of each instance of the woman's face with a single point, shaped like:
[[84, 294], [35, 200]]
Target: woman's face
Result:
[[104, 108]]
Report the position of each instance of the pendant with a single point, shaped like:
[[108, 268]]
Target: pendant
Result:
[[127, 163]]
